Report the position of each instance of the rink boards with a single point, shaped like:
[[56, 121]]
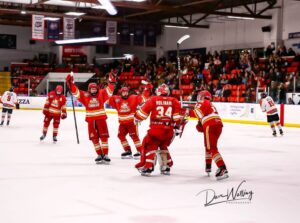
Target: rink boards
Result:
[[244, 113]]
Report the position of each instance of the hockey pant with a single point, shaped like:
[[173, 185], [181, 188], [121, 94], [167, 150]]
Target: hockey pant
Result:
[[132, 130], [211, 136], [47, 120], [98, 131]]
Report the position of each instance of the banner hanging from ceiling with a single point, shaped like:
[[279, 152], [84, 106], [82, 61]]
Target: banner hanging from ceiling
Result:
[[53, 30], [38, 27], [111, 32], [69, 28]]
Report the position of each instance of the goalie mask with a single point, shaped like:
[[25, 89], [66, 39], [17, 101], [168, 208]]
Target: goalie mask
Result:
[[59, 90], [93, 89], [163, 90], [204, 95], [124, 92]]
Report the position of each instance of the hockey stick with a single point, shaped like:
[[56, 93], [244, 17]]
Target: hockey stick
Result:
[[74, 114]]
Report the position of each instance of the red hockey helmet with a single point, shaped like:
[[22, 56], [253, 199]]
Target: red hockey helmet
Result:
[[204, 95], [124, 92], [59, 89], [93, 88], [163, 90]]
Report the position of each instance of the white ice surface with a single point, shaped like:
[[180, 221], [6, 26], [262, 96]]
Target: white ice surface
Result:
[[42, 182]]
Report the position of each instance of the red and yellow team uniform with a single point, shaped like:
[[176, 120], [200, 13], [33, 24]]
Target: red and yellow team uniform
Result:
[[126, 111], [164, 114], [211, 125], [96, 115], [54, 108]]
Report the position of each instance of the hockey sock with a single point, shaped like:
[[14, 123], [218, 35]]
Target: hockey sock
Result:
[[55, 131], [208, 158], [138, 144], [45, 129], [272, 126], [218, 159], [104, 145], [125, 145], [2, 118], [279, 126], [97, 146], [8, 118]]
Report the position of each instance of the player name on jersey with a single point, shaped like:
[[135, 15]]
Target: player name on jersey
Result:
[[164, 103]]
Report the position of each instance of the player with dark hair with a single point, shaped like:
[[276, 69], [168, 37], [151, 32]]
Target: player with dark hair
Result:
[[267, 105], [9, 100]]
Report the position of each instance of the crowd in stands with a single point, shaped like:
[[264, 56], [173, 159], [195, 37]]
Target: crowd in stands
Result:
[[230, 77]]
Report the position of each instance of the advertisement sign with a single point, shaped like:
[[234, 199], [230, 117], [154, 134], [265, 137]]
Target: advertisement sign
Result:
[[38, 27], [73, 51]]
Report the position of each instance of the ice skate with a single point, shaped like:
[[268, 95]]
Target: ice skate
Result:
[[222, 173], [42, 137], [281, 132], [208, 169], [99, 159], [126, 155], [106, 159], [1, 124], [146, 171], [274, 133], [165, 170], [7, 123], [137, 156], [54, 139]]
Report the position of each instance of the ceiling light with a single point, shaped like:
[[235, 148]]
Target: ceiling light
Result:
[[98, 7], [108, 7], [179, 27], [51, 18], [83, 40], [23, 12], [75, 13], [238, 17], [183, 38], [131, 34]]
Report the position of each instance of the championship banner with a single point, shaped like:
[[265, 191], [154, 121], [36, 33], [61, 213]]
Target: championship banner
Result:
[[53, 30], [151, 36], [111, 32], [125, 34], [138, 38], [38, 27], [69, 28]]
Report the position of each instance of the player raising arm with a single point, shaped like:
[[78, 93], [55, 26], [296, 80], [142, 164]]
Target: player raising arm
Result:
[[93, 100]]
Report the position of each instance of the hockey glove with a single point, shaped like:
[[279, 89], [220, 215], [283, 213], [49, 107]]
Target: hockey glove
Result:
[[177, 130], [70, 80], [199, 127], [45, 112], [17, 106], [63, 115]]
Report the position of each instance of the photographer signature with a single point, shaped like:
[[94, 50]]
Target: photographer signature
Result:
[[233, 195]]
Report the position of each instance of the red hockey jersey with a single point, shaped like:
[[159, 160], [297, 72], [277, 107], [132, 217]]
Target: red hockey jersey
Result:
[[94, 105], [55, 104], [207, 114], [126, 107], [164, 112]]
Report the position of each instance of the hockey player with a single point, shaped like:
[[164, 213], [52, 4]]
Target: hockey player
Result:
[[54, 108], [267, 105], [9, 100], [126, 105], [211, 125], [94, 100], [164, 112]]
